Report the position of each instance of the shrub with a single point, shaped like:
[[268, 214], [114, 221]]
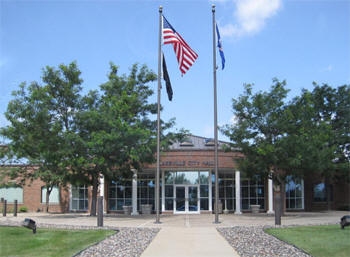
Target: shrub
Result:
[[23, 209]]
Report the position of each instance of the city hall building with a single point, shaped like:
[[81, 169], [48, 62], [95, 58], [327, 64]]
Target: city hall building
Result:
[[187, 186]]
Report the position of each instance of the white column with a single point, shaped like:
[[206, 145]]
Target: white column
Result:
[[134, 193], [163, 191], [238, 193], [210, 192], [270, 189], [102, 191], [102, 186]]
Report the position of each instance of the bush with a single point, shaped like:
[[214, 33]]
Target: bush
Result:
[[23, 209]]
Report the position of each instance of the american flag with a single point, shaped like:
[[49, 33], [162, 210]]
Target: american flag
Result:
[[184, 54]]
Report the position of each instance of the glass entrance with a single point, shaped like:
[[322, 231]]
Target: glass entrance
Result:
[[186, 199]]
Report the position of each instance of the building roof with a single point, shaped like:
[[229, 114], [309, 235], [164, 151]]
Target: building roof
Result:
[[192, 142]]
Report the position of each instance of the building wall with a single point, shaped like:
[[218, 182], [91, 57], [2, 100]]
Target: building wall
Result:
[[188, 160], [192, 159]]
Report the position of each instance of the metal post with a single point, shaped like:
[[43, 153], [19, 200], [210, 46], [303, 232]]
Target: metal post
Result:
[[215, 125], [100, 212], [4, 208], [158, 115], [278, 208], [15, 209]]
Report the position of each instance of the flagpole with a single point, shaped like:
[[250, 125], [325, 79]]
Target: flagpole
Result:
[[158, 114], [215, 126]]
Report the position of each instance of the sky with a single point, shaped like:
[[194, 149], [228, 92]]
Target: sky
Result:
[[299, 41]]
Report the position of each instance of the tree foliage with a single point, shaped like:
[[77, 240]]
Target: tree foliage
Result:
[[40, 116], [307, 135], [114, 130], [76, 138]]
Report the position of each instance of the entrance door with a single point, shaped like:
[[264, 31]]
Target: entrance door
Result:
[[186, 199]]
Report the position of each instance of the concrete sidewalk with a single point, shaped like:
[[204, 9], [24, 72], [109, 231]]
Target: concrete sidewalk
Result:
[[176, 221], [180, 241]]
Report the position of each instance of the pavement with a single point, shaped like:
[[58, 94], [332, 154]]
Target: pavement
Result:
[[194, 242], [183, 235]]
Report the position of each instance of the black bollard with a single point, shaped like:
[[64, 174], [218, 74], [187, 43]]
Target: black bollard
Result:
[[100, 212], [4, 208], [15, 209]]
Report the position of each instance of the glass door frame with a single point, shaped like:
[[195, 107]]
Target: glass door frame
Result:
[[187, 211]]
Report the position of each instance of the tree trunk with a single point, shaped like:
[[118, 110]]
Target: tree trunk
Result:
[[94, 196], [328, 194], [278, 208], [279, 189], [48, 192]]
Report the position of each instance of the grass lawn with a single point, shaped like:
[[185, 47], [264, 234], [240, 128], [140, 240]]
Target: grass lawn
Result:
[[19, 241], [319, 241]]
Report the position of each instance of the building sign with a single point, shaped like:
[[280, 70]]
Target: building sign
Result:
[[190, 163]]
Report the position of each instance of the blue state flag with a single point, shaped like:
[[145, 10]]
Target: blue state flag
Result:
[[221, 51]]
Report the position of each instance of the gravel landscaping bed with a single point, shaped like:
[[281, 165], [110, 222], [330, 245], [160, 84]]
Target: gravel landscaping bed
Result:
[[253, 241], [127, 242]]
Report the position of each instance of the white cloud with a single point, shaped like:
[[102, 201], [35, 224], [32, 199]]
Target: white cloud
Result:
[[251, 16]]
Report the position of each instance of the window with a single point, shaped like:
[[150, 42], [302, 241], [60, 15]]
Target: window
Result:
[[204, 190], [320, 194], [79, 199], [54, 195], [186, 142], [227, 192], [146, 186], [119, 194], [252, 192], [294, 193], [11, 194]]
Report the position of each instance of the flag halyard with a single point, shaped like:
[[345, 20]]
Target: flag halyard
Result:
[[184, 53]]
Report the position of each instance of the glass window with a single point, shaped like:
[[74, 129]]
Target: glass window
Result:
[[226, 190], [204, 191], [10, 194], [204, 204], [169, 191], [119, 194], [294, 193], [320, 193], [169, 204], [79, 200], [204, 177], [252, 192], [187, 177], [146, 188], [54, 195], [169, 178]]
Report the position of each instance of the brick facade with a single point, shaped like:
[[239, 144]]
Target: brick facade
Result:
[[188, 159]]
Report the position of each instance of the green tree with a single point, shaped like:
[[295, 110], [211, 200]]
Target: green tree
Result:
[[259, 129], [308, 135], [40, 116], [115, 132]]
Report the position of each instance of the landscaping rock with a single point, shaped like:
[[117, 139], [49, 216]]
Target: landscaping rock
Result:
[[128, 242], [253, 241]]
